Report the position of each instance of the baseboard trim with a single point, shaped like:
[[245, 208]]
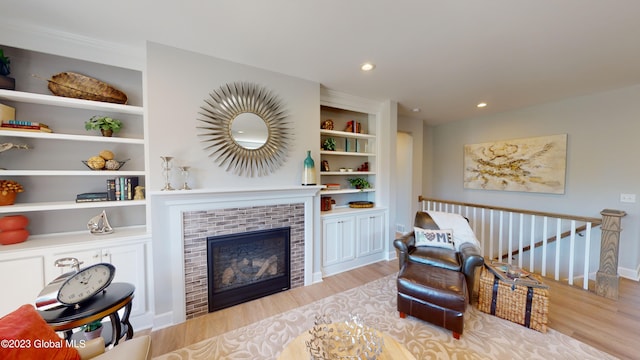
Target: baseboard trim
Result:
[[163, 320], [317, 277], [630, 274]]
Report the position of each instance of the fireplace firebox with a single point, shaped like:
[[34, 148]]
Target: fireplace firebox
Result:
[[247, 266]]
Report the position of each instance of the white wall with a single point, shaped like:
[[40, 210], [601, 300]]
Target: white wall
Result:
[[178, 81], [602, 163]]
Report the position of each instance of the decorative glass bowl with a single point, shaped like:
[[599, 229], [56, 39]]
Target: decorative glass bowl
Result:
[[347, 340]]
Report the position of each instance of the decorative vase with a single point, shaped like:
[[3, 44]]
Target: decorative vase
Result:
[[106, 132], [90, 335], [309, 172]]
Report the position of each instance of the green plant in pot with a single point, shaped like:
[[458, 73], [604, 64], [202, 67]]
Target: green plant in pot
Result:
[[105, 124], [359, 183], [93, 329], [329, 144]]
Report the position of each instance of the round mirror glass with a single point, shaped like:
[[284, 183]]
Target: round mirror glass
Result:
[[249, 130]]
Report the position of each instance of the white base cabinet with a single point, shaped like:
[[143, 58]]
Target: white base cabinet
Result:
[[21, 280], [30, 266], [129, 261], [352, 239]]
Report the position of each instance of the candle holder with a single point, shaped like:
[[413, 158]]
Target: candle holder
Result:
[[184, 170], [166, 168]]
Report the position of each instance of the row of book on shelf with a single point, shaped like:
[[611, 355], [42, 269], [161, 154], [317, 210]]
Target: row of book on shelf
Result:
[[118, 189], [19, 125], [8, 121]]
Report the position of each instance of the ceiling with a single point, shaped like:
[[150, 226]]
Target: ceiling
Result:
[[440, 56]]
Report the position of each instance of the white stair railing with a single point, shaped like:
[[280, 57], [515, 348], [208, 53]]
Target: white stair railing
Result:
[[563, 247]]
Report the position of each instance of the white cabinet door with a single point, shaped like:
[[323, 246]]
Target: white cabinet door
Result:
[[129, 261], [370, 233], [21, 282], [338, 242]]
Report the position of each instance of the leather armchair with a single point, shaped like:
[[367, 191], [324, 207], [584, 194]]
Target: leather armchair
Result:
[[467, 260]]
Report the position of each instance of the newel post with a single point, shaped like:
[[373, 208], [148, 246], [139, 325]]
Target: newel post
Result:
[[607, 278]]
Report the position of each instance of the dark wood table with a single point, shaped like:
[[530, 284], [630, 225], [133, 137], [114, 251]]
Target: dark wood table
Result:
[[104, 304]]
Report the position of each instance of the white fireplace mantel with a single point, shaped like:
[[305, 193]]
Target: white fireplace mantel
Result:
[[168, 208]]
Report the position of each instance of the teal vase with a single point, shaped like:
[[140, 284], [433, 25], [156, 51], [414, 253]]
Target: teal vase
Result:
[[309, 171]]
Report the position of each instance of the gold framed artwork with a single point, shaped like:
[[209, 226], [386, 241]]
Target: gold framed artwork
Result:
[[536, 164]]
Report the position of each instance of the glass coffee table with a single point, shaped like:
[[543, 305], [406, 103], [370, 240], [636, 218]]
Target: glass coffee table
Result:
[[391, 350]]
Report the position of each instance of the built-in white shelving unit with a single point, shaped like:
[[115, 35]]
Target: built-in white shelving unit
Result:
[[52, 174], [351, 237]]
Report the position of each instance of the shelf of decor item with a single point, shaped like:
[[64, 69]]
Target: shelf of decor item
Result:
[[347, 173], [345, 153], [344, 134], [345, 191], [71, 137], [350, 150], [67, 205], [351, 237], [51, 169], [107, 173], [42, 99]]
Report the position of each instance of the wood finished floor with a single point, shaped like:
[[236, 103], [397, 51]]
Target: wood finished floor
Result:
[[612, 326]]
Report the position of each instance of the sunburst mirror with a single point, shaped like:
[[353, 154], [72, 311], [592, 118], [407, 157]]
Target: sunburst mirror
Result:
[[244, 129]]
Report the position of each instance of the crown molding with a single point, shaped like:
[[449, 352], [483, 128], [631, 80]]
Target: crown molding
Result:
[[333, 98], [39, 38]]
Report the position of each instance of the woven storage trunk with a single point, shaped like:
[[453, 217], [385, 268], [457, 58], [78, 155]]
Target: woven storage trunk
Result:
[[527, 306]]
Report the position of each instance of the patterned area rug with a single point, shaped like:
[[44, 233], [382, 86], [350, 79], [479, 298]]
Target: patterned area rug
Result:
[[484, 337]]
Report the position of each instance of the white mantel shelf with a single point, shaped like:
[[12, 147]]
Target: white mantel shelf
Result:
[[311, 190]]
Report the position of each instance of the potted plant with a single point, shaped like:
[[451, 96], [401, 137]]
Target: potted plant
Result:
[[8, 191], [329, 144], [359, 183], [93, 329], [5, 81], [105, 124]]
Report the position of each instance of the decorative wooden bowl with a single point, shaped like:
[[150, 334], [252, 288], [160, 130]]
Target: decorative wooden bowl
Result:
[[361, 204]]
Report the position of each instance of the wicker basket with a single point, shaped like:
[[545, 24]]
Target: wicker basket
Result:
[[510, 302]]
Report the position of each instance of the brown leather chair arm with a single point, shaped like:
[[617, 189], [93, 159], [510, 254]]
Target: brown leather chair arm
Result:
[[404, 244], [471, 259]]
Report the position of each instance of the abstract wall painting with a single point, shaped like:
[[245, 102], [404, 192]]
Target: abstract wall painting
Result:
[[535, 164]]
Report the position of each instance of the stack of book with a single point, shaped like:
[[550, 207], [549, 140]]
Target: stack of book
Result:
[[20, 125], [89, 197], [333, 186], [121, 188]]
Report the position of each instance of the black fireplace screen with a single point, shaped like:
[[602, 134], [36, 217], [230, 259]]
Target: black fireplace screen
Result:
[[246, 266]]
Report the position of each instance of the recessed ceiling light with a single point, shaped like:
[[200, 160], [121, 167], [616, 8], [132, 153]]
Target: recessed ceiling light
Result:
[[481, 105], [415, 109], [367, 67]]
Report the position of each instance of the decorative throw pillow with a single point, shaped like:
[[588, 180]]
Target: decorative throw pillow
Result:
[[25, 335], [437, 238]]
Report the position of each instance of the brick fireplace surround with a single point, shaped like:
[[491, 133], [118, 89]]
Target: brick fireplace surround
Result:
[[198, 225], [182, 220]]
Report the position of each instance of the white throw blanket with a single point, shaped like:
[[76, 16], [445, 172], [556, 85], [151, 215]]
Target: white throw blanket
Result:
[[462, 232]]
